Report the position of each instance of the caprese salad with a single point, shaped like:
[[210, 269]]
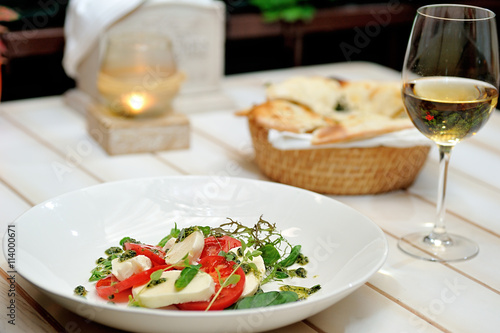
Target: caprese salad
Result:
[[202, 268]]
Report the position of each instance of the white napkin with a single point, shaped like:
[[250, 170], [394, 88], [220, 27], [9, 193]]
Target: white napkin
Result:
[[86, 20], [400, 139]]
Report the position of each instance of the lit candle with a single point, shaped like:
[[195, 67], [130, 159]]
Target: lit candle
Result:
[[138, 75], [136, 103]]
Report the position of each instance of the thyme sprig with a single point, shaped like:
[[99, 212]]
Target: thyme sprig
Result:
[[262, 233], [276, 251]]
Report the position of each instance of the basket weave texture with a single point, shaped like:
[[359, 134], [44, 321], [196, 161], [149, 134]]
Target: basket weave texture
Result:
[[340, 171]]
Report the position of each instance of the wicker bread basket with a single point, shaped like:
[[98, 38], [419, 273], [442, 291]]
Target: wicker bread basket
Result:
[[340, 171]]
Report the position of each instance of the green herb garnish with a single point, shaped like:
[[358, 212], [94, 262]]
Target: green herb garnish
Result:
[[185, 232], [270, 254], [186, 276], [174, 233], [292, 257], [265, 237], [266, 299], [102, 269], [128, 240]]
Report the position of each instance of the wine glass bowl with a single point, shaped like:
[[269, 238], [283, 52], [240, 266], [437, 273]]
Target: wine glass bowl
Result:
[[450, 88], [449, 109]]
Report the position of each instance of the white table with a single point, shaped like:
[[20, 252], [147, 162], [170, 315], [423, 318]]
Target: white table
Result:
[[45, 151]]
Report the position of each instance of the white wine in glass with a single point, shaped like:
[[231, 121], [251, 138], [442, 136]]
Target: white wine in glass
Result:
[[450, 88]]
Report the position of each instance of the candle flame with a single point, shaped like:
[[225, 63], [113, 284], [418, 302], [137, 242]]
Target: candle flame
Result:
[[136, 102]]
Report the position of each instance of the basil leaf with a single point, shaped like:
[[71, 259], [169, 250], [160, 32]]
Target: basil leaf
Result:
[[292, 257], [97, 275], [286, 297], [156, 275], [253, 266], [186, 276], [230, 256], [266, 299], [174, 233], [164, 240], [233, 279], [270, 254], [128, 240], [281, 275], [205, 230]]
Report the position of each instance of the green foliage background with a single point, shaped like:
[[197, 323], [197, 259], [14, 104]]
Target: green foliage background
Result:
[[286, 10]]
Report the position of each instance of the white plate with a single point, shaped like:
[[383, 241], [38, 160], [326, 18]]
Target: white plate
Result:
[[60, 239]]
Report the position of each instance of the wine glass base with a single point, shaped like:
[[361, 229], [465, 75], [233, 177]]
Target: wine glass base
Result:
[[460, 248]]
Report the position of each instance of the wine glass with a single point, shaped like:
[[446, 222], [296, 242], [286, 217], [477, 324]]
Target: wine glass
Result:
[[450, 88]]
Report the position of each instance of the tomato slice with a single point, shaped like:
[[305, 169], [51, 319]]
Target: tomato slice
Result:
[[155, 253], [229, 294], [213, 245], [104, 290], [110, 288]]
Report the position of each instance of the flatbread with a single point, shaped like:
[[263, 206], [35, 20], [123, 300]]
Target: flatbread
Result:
[[283, 115], [319, 94], [358, 131], [374, 97], [333, 111]]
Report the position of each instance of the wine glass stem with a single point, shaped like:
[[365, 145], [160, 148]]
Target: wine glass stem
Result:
[[439, 236]]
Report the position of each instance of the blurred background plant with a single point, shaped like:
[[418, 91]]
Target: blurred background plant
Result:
[[285, 10], [289, 10]]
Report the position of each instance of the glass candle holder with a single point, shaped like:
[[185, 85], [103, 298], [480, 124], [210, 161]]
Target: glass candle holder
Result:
[[138, 76]]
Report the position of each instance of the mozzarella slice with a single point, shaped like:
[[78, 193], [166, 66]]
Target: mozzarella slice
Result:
[[192, 245], [201, 288], [169, 244], [125, 269], [252, 278]]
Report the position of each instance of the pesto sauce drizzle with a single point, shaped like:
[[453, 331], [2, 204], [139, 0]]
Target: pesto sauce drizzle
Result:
[[302, 259], [127, 255], [156, 282], [185, 233], [80, 291], [299, 272], [302, 292], [113, 250]]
